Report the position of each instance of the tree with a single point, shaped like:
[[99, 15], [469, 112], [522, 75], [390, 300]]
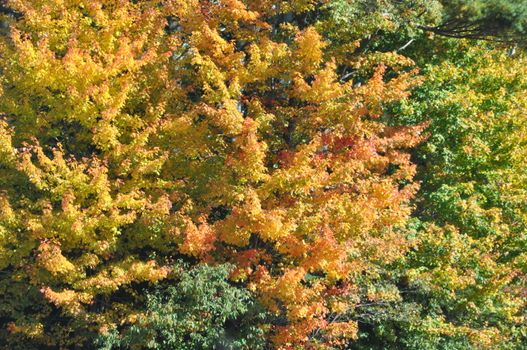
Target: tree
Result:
[[136, 133], [201, 310], [494, 20], [464, 284]]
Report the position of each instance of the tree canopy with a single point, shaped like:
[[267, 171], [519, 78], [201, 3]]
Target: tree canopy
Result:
[[188, 174]]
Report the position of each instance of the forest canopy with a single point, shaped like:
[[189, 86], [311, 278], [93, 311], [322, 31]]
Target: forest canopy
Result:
[[261, 174]]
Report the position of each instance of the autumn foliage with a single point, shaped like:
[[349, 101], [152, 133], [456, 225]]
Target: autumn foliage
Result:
[[138, 134]]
